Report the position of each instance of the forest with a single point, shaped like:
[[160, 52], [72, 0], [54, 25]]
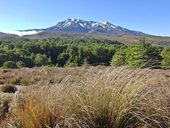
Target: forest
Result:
[[81, 52]]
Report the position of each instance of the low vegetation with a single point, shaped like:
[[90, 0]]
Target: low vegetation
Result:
[[8, 89], [91, 97]]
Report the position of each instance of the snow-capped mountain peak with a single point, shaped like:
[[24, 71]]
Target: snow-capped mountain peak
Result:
[[80, 26], [77, 25]]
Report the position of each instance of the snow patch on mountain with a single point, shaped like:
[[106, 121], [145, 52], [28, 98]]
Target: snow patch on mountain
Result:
[[91, 25]]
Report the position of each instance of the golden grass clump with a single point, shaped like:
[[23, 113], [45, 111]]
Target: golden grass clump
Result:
[[109, 98]]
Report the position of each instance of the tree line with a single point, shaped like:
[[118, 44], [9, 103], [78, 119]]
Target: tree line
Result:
[[142, 54], [56, 52], [78, 52]]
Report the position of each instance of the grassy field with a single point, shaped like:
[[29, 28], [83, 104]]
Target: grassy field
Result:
[[85, 97]]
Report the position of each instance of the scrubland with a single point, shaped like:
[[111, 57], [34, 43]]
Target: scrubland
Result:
[[85, 97]]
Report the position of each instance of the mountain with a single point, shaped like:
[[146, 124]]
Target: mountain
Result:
[[76, 28], [82, 26]]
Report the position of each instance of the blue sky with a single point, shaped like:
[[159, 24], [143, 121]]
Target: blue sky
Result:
[[149, 16]]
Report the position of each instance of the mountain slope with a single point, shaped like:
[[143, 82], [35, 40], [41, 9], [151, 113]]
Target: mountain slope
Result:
[[7, 35], [82, 26]]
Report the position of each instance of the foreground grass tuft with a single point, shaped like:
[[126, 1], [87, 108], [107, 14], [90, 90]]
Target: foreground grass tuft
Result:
[[112, 98]]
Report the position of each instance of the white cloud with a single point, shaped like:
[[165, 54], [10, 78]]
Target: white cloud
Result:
[[19, 33]]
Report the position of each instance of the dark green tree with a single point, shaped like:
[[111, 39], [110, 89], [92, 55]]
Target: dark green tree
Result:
[[3, 58], [142, 54], [119, 57], [42, 60], [166, 57], [10, 64], [20, 64]]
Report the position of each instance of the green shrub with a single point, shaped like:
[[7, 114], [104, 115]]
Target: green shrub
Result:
[[166, 57], [42, 60], [119, 57], [71, 64], [142, 54], [139, 54], [9, 64], [20, 64]]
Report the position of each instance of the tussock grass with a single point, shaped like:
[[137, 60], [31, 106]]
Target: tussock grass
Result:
[[107, 98]]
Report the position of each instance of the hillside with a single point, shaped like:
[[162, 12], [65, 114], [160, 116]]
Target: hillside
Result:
[[126, 39]]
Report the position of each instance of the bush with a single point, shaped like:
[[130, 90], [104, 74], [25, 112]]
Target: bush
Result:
[[42, 60], [9, 64], [119, 57], [166, 57], [71, 64], [8, 89], [20, 64], [139, 54], [143, 54]]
